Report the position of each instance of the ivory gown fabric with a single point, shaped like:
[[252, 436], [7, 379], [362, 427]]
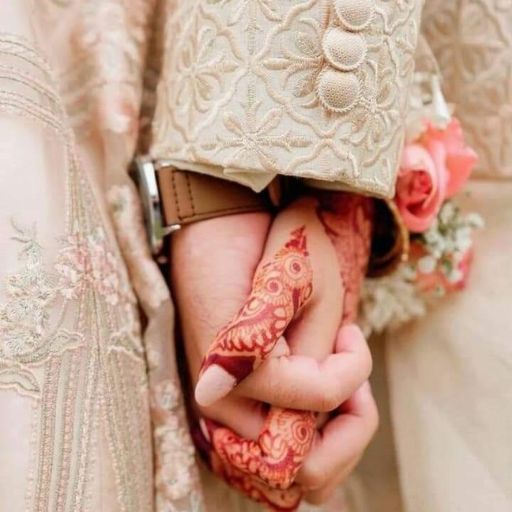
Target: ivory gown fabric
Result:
[[451, 373]]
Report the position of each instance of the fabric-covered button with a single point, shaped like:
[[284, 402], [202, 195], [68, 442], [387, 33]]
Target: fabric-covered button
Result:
[[355, 14], [344, 50], [338, 91]]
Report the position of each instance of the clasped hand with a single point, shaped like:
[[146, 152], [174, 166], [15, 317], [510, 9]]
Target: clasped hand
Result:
[[280, 371]]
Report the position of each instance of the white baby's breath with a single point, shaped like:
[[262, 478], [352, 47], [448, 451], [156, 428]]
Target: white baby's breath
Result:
[[448, 240], [427, 264], [475, 220], [391, 301]]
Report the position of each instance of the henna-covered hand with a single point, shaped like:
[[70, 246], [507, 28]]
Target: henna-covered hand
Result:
[[275, 455], [348, 220], [279, 451], [281, 287], [233, 458]]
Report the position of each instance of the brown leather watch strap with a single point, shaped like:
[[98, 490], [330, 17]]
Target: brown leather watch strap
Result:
[[188, 197]]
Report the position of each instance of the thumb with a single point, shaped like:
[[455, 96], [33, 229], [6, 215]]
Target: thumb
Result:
[[280, 288]]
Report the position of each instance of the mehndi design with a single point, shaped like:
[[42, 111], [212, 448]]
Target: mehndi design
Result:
[[265, 469], [280, 288], [347, 220], [277, 455]]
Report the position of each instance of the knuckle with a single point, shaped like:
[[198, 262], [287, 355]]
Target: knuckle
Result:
[[329, 400], [373, 420], [291, 396], [313, 475], [365, 363], [284, 391]]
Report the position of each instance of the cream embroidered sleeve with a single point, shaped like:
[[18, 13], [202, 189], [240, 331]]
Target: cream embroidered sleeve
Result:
[[312, 88]]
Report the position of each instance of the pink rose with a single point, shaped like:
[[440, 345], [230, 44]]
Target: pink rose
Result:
[[448, 150], [421, 188], [432, 170]]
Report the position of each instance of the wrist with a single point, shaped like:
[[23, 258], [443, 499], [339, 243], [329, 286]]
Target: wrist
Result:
[[174, 198], [233, 233]]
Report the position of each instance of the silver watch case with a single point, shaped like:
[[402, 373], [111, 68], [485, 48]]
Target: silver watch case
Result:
[[143, 173]]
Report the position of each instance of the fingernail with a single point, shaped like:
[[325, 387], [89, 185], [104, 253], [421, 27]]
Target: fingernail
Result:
[[214, 384], [204, 429]]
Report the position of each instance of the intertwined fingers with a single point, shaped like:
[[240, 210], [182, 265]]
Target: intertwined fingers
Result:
[[339, 446], [278, 453], [280, 380], [277, 448], [275, 499], [280, 289], [275, 458]]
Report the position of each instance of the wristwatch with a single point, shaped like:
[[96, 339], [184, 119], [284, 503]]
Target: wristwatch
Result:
[[172, 198]]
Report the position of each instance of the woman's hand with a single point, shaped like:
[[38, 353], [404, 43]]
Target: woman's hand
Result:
[[213, 263]]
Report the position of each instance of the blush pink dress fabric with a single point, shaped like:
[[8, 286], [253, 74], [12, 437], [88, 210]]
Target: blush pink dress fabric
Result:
[[91, 409]]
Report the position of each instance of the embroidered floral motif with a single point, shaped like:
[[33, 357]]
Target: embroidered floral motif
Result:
[[101, 83], [174, 453], [280, 60], [24, 318], [472, 42], [25, 327], [302, 61], [254, 135], [200, 70], [69, 337], [84, 262]]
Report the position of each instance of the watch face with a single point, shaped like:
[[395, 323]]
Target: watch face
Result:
[[144, 174]]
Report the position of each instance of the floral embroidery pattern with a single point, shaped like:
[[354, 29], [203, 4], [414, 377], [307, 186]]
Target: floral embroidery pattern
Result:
[[24, 318], [84, 263], [254, 136], [69, 334], [472, 42], [25, 326], [276, 52], [174, 452]]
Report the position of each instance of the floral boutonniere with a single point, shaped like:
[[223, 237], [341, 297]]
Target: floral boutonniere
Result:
[[434, 167]]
